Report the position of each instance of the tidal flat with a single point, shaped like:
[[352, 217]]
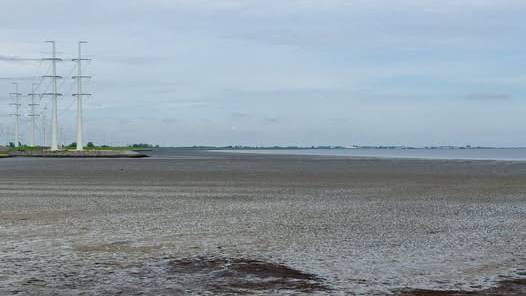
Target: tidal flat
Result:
[[187, 222]]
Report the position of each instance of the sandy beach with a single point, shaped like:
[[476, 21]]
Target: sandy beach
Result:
[[194, 222]]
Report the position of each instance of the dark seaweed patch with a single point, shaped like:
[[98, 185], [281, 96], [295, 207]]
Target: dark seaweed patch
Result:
[[245, 275]]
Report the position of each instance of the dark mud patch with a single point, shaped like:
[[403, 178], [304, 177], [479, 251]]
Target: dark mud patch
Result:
[[237, 275], [505, 288]]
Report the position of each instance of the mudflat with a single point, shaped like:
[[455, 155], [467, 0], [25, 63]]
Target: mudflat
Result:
[[194, 222]]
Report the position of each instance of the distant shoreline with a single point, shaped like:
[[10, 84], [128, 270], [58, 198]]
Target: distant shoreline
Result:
[[78, 154], [339, 147]]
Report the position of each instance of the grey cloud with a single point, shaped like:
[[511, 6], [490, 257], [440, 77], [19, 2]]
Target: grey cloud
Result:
[[191, 103], [169, 120], [19, 78], [132, 60], [238, 115], [489, 97], [292, 92], [266, 119], [281, 37], [5, 58], [272, 119]]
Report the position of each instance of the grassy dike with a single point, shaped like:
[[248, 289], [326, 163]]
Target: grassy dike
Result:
[[4, 152]]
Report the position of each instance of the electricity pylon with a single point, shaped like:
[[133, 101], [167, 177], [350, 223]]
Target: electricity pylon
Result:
[[17, 95], [54, 94], [79, 96], [43, 125], [32, 114]]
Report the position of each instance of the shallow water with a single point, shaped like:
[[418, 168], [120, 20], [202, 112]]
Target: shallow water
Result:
[[361, 226], [504, 154]]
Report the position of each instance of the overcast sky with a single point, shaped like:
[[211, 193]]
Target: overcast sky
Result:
[[278, 72]]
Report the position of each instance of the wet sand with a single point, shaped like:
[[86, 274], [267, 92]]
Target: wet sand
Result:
[[190, 222]]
